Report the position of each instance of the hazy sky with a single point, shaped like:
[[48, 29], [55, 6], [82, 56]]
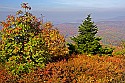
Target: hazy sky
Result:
[[58, 5], [67, 10]]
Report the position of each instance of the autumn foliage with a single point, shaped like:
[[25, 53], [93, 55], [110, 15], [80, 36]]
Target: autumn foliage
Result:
[[35, 52], [28, 43], [80, 69], [54, 40]]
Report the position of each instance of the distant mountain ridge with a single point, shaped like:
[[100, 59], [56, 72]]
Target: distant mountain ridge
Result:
[[118, 18]]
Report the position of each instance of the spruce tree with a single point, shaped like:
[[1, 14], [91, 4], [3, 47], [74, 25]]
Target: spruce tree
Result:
[[86, 42]]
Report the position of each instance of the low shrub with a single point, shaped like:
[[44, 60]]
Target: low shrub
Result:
[[106, 51], [80, 69], [120, 50]]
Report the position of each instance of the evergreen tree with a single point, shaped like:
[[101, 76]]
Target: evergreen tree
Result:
[[86, 42]]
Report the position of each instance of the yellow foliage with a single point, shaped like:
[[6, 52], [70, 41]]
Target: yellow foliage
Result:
[[54, 40]]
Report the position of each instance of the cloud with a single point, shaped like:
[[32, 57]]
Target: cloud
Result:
[[91, 3], [8, 8]]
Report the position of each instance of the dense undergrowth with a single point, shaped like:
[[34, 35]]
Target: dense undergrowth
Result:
[[78, 69], [34, 52]]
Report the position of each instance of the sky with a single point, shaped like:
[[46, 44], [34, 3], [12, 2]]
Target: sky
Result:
[[61, 11]]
